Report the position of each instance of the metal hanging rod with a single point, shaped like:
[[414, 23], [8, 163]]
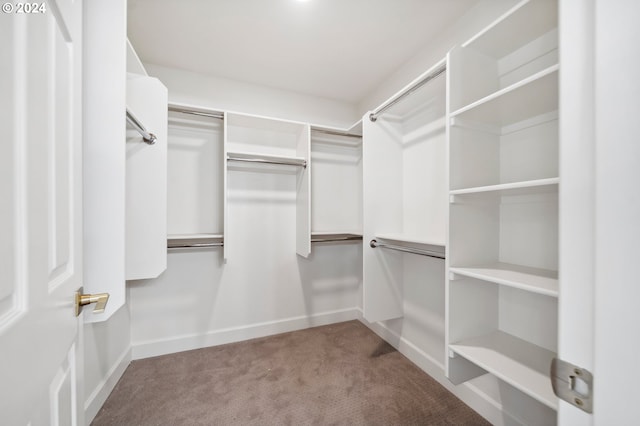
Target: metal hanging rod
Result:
[[430, 253], [380, 110], [194, 245], [336, 133], [217, 115], [147, 136], [300, 163]]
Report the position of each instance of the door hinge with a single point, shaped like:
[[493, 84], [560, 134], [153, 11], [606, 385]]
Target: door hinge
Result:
[[572, 384]]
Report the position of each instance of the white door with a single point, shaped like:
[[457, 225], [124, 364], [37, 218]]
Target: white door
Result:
[[600, 205], [40, 213]]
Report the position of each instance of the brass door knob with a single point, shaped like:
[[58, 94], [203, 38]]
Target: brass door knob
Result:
[[100, 299]]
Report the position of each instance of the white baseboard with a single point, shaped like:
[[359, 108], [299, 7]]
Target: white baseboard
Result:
[[469, 394], [236, 334], [97, 398]]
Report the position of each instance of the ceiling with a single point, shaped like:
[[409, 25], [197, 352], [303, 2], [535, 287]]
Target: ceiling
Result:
[[337, 49]]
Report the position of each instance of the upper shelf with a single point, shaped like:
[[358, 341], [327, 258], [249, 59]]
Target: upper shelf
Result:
[[265, 123], [517, 102], [526, 21]]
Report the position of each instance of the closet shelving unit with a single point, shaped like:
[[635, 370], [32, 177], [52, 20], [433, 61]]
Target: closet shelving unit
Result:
[[336, 208], [405, 190], [502, 284], [145, 177], [266, 145], [206, 144], [195, 184]]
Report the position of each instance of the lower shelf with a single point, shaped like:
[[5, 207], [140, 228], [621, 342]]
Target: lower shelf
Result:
[[521, 364], [322, 237], [182, 241]]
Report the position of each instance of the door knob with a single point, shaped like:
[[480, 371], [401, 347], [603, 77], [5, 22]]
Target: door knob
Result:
[[81, 300]]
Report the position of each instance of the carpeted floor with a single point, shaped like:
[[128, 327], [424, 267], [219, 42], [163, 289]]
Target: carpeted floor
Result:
[[340, 374]]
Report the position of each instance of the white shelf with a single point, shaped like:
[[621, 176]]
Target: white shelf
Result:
[[193, 236], [408, 239], [267, 158], [526, 21], [325, 237], [265, 123], [534, 280], [513, 188], [521, 364], [517, 102], [179, 241]]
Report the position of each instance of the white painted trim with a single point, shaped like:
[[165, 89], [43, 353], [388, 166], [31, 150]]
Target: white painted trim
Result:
[[97, 398], [467, 393], [151, 348]]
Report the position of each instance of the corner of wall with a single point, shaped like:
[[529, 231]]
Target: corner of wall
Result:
[[107, 354]]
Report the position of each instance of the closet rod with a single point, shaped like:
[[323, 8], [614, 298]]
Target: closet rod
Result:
[[302, 163], [336, 133], [218, 115], [380, 110], [148, 137], [429, 253], [195, 245]]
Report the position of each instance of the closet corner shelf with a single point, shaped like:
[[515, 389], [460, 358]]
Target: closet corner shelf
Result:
[[519, 363], [175, 241], [326, 237], [514, 188], [517, 102], [523, 23], [266, 158], [534, 280]]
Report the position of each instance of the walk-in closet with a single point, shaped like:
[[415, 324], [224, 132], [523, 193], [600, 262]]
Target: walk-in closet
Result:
[[319, 212]]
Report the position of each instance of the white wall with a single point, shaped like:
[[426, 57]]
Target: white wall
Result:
[[199, 301], [222, 94]]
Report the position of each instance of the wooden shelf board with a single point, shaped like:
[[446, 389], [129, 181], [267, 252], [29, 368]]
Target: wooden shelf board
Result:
[[517, 102], [540, 281], [530, 186], [522, 364]]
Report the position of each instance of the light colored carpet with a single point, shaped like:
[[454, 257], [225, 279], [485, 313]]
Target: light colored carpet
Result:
[[340, 374]]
